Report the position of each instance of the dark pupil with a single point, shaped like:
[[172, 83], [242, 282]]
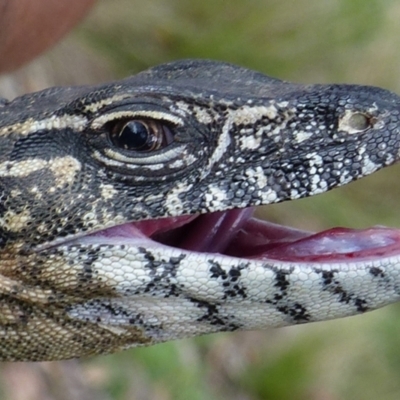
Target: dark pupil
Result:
[[135, 136]]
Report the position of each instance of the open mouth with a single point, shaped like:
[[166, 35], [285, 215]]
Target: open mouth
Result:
[[237, 233]]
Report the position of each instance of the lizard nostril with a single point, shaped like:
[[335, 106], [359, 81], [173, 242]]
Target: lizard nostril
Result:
[[355, 122], [359, 122]]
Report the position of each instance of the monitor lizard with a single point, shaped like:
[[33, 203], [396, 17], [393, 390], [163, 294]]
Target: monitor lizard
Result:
[[126, 208]]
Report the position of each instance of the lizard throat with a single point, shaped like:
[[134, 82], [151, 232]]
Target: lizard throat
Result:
[[237, 233]]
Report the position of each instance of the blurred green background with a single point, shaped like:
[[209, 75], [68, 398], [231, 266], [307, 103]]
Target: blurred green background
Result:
[[353, 41]]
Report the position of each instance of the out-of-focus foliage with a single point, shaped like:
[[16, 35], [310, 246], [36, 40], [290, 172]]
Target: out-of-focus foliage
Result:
[[303, 40], [306, 40]]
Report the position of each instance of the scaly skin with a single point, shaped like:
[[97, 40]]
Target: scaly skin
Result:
[[240, 139]]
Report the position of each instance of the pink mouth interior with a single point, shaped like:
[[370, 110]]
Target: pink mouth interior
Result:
[[236, 233]]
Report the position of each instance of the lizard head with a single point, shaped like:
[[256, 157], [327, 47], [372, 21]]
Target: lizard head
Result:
[[143, 189]]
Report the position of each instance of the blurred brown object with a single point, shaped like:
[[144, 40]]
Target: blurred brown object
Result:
[[28, 27]]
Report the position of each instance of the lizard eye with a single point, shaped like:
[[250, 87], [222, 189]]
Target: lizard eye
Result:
[[141, 135]]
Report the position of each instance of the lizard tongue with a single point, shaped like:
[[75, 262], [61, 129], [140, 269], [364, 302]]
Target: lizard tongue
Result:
[[331, 245], [340, 244]]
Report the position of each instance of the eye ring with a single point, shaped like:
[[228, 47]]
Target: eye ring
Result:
[[140, 135]]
